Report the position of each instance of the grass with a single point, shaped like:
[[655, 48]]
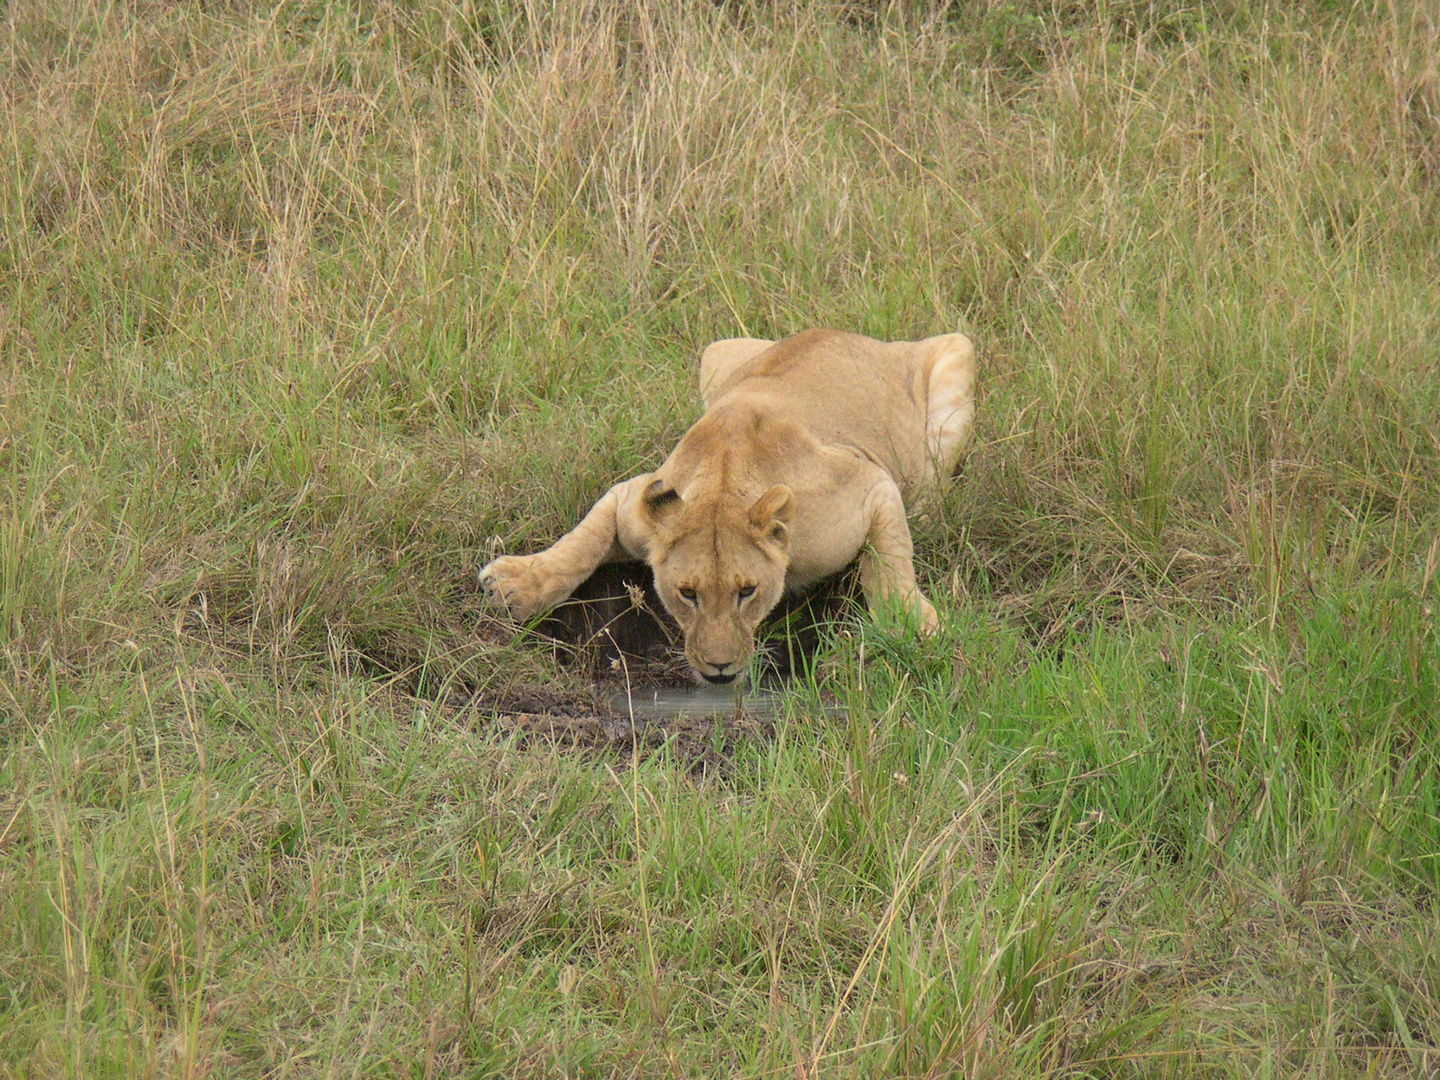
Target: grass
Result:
[[304, 309]]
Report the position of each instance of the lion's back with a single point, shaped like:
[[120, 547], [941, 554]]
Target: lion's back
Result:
[[843, 388]]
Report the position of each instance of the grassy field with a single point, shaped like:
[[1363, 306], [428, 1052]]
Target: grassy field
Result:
[[306, 308]]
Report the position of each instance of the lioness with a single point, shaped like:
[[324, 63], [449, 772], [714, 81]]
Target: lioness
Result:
[[806, 457]]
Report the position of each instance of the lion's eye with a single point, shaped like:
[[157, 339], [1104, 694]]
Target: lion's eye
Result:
[[688, 594], [746, 591]]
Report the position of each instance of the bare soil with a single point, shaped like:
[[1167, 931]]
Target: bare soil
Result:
[[614, 627], [584, 720]]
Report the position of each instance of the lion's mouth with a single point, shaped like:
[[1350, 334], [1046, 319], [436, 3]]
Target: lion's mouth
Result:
[[718, 680]]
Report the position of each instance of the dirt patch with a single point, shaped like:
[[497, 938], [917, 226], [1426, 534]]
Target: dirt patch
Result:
[[584, 720], [614, 627], [616, 617], [542, 699]]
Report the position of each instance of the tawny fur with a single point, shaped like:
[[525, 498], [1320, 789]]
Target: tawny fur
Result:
[[806, 458]]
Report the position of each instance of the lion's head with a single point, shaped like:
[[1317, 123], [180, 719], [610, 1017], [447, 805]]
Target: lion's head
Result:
[[719, 569]]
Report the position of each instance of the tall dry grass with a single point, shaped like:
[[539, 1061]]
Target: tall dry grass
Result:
[[1197, 247], [305, 308]]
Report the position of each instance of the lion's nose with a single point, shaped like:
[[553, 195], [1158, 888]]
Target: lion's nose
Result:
[[719, 673]]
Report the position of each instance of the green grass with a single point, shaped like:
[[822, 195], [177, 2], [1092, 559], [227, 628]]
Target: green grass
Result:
[[304, 309]]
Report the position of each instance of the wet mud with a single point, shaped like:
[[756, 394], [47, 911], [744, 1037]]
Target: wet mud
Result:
[[703, 743], [642, 698]]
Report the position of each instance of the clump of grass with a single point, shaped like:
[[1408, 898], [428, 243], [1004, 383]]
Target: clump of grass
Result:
[[306, 309]]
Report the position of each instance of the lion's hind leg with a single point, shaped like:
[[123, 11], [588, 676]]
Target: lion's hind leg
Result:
[[720, 359]]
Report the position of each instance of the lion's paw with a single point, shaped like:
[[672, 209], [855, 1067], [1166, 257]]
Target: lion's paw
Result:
[[929, 620], [520, 582]]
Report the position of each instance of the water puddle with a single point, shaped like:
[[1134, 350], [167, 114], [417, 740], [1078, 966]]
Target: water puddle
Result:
[[698, 702], [666, 702], [699, 726]]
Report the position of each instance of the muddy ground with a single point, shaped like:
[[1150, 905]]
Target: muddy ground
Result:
[[613, 629], [585, 720]]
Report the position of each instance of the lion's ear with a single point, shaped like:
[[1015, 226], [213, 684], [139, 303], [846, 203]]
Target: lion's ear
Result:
[[659, 501], [771, 514]]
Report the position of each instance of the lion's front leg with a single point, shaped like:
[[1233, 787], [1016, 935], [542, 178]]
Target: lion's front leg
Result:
[[887, 566], [531, 584]]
